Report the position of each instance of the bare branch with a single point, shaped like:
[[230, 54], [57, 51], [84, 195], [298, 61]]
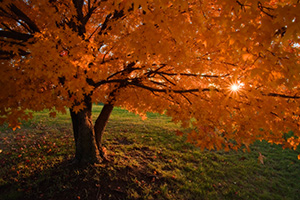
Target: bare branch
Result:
[[15, 35], [129, 68], [262, 9], [96, 29], [6, 55], [89, 5], [33, 27], [167, 79], [115, 16], [162, 90], [188, 74], [282, 96], [79, 5], [186, 98], [4, 13], [88, 15]]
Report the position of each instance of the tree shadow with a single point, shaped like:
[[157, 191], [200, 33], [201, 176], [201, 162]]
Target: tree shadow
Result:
[[66, 180], [115, 179]]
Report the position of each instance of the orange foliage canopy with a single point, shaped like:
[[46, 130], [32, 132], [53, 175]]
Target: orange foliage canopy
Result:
[[178, 57]]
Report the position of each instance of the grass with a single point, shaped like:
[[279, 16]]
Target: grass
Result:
[[147, 161]]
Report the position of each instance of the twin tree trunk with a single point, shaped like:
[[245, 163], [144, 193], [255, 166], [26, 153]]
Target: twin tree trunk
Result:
[[87, 136]]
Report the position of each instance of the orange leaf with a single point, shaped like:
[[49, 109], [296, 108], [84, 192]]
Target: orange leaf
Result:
[[14, 128], [179, 133], [261, 158], [247, 56], [52, 114]]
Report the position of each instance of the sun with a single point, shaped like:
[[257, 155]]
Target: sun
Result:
[[234, 87]]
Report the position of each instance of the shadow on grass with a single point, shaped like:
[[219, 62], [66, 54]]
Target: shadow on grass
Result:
[[111, 180], [143, 172], [68, 181]]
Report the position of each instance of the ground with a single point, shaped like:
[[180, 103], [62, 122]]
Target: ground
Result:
[[146, 161]]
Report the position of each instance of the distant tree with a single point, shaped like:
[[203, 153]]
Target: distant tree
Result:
[[228, 69]]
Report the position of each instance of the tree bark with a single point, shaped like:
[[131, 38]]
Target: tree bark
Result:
[[85, 141], [100, 125]]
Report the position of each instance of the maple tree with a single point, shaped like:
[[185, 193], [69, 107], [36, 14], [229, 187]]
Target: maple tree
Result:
[[229, 70]]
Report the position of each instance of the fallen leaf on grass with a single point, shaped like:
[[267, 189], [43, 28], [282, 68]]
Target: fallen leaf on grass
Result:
[[261, 158]]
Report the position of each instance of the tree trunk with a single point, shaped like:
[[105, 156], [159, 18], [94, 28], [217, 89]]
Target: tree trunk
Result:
[[85, 141], [100, 125]]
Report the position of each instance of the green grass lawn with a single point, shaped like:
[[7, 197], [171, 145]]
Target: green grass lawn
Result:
[[147, 161]]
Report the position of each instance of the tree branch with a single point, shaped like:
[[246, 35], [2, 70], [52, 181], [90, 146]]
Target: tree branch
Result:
[[115, 16], [33, 27], [129, 68], [89, 5], [164, 77], [15, 35], [261, 8], [161, 90], [78, 5], [188, 74], [88, 15], [282, 96], [4, 13], [6, 55]]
